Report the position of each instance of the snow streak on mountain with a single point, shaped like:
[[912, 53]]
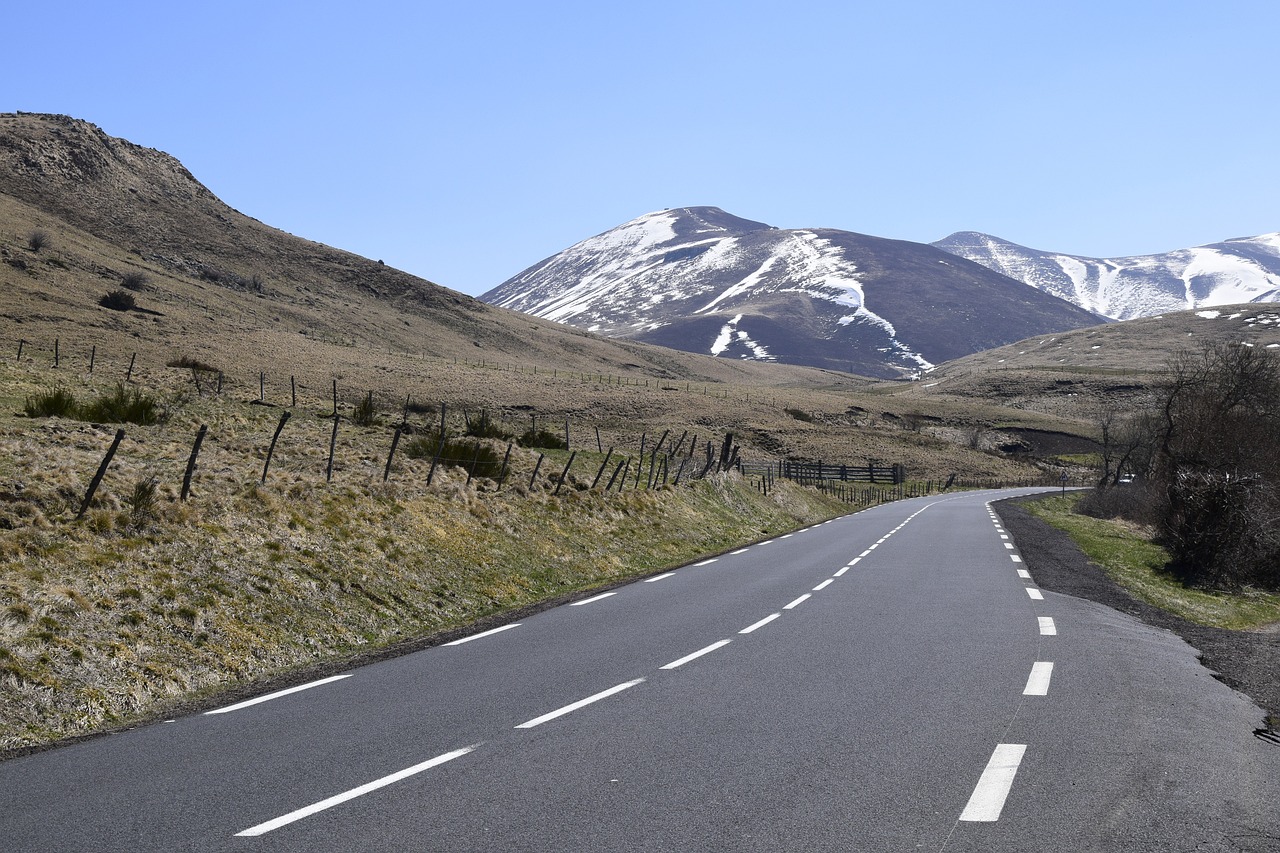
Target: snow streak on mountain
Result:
[[702, 280], [1246, 269]]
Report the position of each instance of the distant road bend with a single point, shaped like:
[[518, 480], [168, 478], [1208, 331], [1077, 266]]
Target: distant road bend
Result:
[[890, 680]]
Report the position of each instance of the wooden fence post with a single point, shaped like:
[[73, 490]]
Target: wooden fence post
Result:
[[626, 467], [293, 390], [535, 470], [600, 445], [471, 470], [565, 472], [333, 440], [191, 462], [502, 475], [21, 343], [436, 459], [335, 398], [566, 432], [395, 441], [56, 358], [600, 473], [284, 417], [262, 386], [93, 356], [102, 470], [684, 460]]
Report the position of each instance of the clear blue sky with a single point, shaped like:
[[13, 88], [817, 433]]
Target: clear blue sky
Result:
[[463, 142]]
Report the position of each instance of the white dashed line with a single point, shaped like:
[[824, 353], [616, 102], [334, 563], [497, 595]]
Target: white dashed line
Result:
[[1023, 573], [826, 583], [247, 703], [659, 577], [705, 562], [488, 633], [1015, 558], [581, 703], [855, 561], [589, 600], [1047, 628], [1038, 682], [988, 797], [699, 653], [864, 553], [842, 571], [739, 551], [1009, 545], [283, 820], [765, 621], [1035, 593], [797, 602]]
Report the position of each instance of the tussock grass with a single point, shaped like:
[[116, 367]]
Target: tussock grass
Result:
[[1129, 557]]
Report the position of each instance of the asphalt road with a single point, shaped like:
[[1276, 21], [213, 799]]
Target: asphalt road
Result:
[[891, 680]]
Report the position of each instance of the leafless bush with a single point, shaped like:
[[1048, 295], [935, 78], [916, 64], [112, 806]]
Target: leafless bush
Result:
[[37, 240]]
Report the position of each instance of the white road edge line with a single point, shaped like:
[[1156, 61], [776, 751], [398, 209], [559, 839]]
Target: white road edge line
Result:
[[488, 633], [1024, 574], [987, 800], [1038, 681], [283, 820], [589, 600], [765, 621], [1015, 558], [797, 602], [277, 694], [705, 562], [659, 577], [1035, 593], [581, 703], [1047, 628], [739, 551], [826, 583], [699, 653]]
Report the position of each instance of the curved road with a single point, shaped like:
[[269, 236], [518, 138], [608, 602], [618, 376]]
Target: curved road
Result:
[[890, 680]]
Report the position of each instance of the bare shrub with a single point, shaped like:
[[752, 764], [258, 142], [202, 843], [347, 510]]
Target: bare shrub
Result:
[[118, 300], [134, 280], [37, 240]]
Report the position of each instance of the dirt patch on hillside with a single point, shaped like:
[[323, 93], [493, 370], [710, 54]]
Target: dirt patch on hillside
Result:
[[1248, 661]]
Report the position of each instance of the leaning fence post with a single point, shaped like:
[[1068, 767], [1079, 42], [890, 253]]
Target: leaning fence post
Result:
[[284, 417], [102, 470], [502, 475], [600, 473], [191, 463], [535, 470], [21, 344], [599, 444], [565, 472], [395, 441], [684, 460], [93, 356]]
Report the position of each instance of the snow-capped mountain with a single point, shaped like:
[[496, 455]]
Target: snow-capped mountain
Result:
[[1246, 269], [701, 280]]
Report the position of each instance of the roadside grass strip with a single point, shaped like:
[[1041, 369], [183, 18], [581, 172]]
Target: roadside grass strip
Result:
[[267, 698], [987, 800], [285, 820]]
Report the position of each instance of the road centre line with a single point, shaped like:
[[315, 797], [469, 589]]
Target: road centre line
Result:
[[854, 561], [589, 600], [488, 633], [581, 703], [706, 562], [841, 572], [864, 553], [659, 577], [283, 820], [1035, 593], [797, 602], [1047, 628], [826, 583], [987, 800], [699, 653], [267, 698], [1024, 574], [1038, 681], [765, 621]]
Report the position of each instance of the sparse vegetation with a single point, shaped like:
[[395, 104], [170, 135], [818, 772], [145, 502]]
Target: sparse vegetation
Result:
[[364, 413], [800, 415], [542, 439], [134, 280], [122, 406], [119, 300], [37, 240], [486, 427], [58, 403]]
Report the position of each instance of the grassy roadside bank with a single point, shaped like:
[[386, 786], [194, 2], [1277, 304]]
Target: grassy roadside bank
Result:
[[1129, 557], [100, 629]]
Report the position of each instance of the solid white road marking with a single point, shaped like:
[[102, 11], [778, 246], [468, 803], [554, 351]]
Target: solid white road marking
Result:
[[699, 653], [659, 577], [264, 828], [797, 602], [589, 600], [277, 694], [1035, 593], [488, 633], [765, 621], [826, 583], [1047, 628], [987, 800], [1038, 681], [1023, 573], [581, 703]]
